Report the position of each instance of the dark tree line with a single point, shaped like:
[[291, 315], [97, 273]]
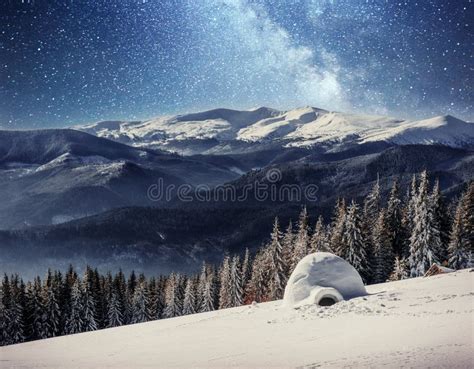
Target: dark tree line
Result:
[[398, 239]]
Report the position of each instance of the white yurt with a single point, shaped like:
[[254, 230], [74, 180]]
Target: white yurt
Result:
[[323, 279]]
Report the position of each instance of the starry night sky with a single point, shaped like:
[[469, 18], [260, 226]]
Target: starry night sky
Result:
[[72, 61]]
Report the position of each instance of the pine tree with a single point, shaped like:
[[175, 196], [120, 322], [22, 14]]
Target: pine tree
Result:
[[353, 244], [409, 215], [425, 239], [140, 304], [258, 285], [173, 305], [394, 221], [15, 313], [301, 248], [3, 325], [441, 221], [468, 204], [319, 241], [189, 303], [236, 290], [160, 301], [383, 251], [153, 299], [277, 276], [201, 287], [65, 296], [120, 288], [461, 241], [401, 269], [337, 228], [225, 284], [130, 291], [288, 243], [74, 322], [114, 311], [89, 304], [246, 270], [207, 290], [51, 290], [372, 203], [36, 312]]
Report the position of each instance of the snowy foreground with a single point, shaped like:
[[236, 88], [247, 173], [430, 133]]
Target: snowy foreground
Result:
[[418, 323]]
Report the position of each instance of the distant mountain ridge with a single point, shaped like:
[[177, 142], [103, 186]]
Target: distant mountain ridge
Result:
[[224, 131], [81, 196], [180, 235]]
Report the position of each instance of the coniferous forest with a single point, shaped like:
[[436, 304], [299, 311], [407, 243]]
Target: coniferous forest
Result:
[[392, 239]]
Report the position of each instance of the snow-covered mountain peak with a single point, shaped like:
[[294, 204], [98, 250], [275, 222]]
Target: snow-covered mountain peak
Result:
[[301, 127]]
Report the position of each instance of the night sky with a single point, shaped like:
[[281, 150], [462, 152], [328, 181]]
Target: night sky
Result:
[[72, 61]]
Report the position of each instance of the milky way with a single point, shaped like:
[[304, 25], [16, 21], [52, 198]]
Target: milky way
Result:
[[67, 62]]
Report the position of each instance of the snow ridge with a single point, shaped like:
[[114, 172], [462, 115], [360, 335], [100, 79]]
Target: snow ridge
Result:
[[302, 127]]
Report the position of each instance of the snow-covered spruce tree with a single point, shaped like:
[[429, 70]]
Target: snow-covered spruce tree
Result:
[[74, 322], [277, 276], [460, 246], [353, 245], [3, 326], [131, 284], [120, 288], [246, 271], [383, 251], [181, 286], [89, 303], [319, 240], [5, 304], [236, 290], [225, 284], [258, 285], [301, 248], [200, 287], [408, 215], [153, 298], [140, 304], [468, 204], [189, 303], [401, 270], [114, 311], [207, 288], [36, 322], [173, 305], [288, 244], [161, 289], [425, 239], [15, 325], [441, 221], [394, 221], [337, 228], [98, 285], [372, 203], [51, 295], [65, 296]]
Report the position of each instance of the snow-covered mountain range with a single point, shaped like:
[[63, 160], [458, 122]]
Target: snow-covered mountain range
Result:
[[416, 323], [212, 131]]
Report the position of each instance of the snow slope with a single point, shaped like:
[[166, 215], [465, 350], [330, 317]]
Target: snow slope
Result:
[[295, 128], [417, 323]]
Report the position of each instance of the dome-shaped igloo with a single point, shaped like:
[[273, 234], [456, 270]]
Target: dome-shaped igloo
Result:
[[322, 278]]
